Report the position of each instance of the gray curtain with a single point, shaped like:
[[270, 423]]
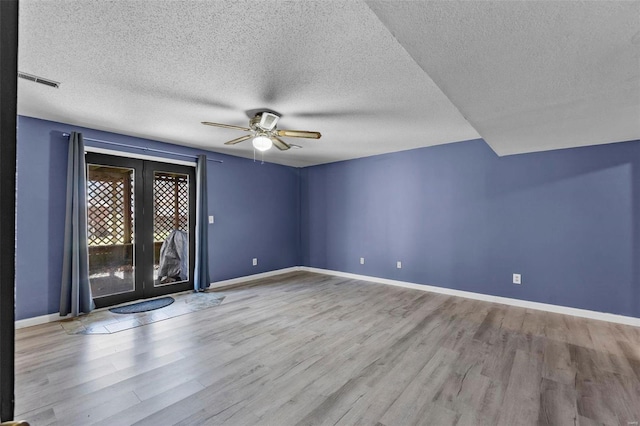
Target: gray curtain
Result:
[[75, 294], [201, 274]]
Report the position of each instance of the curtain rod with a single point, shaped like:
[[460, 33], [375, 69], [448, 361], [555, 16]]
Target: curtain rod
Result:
[[193, 157]]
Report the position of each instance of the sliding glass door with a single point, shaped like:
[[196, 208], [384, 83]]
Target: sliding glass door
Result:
[[141, 224]]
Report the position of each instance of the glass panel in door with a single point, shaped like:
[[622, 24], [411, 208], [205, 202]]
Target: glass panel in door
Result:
[[170, 228], [110, 207]]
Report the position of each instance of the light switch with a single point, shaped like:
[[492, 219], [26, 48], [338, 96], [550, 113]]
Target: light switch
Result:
[[211, 219]]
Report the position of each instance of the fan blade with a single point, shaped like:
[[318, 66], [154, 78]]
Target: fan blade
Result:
[[238, 140], [226, 126], [279, 143], [299, 134]]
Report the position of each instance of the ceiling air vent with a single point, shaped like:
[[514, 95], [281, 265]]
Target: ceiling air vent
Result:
[[37, 79]]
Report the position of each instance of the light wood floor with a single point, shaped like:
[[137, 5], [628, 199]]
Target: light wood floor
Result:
[[311, 349]]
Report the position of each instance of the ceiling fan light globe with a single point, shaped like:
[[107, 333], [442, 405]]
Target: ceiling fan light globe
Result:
[[262, 143]]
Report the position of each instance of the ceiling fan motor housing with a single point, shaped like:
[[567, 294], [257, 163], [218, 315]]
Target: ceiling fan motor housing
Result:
[[268, 121]]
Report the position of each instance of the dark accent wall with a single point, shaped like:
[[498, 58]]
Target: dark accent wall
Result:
[[8, 94], [460, 217], [255, 207]]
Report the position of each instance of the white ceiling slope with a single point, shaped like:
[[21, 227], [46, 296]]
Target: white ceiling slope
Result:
[[530, 76], [156, 69], [369, 76]]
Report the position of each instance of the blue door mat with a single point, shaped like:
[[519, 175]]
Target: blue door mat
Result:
[[103, 321], [144, 306]]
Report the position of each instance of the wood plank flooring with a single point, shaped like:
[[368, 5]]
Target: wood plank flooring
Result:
[[309, 349]]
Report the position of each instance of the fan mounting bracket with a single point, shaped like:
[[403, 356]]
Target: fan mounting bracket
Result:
[[265, 121]]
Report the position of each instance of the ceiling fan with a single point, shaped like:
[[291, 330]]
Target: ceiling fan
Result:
[[264, 133]]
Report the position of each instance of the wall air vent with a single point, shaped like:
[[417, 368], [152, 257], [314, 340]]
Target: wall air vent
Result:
[[37, 79]]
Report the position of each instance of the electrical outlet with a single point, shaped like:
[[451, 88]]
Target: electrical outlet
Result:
[[362, 260], [517, 279], [255, 261], [399, 264]]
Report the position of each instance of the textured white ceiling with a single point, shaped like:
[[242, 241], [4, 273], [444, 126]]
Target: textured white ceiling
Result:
[[532, 75], [158, 68], [528, 77]]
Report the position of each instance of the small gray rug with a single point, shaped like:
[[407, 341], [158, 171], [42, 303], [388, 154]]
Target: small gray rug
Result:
[[106, 322]]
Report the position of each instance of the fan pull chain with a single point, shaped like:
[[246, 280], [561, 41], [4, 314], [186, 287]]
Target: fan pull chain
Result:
[[254, 156]]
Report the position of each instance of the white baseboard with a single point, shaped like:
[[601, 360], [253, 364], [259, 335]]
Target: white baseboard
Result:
[[583, 313], [42, 319], [246, 278]]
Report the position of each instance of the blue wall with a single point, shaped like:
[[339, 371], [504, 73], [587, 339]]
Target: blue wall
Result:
[[457, 216], [239, 191]]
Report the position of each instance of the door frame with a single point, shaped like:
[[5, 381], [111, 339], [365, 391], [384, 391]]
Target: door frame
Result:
[[144, 285]]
